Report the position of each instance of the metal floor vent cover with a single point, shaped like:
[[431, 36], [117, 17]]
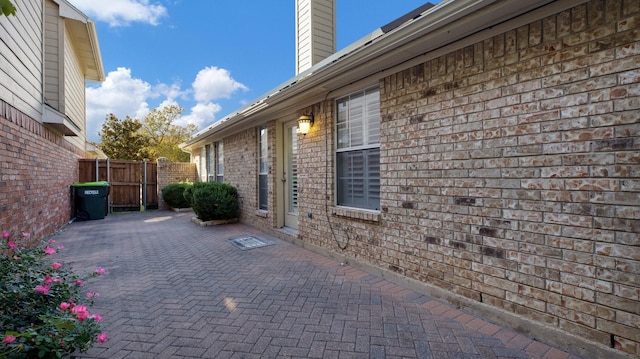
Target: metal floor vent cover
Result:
[[249, 242]]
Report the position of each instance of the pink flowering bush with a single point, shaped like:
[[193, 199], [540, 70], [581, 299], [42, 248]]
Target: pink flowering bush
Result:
[[43, 313]]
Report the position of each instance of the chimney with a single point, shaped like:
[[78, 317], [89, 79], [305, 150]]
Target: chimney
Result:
[[315, 32]]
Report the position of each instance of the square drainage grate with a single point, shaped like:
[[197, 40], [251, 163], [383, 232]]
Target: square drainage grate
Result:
[[249, 242]]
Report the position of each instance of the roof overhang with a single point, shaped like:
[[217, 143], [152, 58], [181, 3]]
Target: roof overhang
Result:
[[85, 39], [432, 33], [94, 152], [59, 121]]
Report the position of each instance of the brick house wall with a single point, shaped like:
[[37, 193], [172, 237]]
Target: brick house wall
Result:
[[510, 177], [510, 174], [37, 167], [241, 171]]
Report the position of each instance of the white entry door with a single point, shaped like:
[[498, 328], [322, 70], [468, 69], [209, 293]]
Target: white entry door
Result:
[[290, 175]]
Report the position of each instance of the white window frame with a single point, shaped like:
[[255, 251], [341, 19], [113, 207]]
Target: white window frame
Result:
[[263, 169], [219, 161], [358, 140], [203, 164], [210, 163]]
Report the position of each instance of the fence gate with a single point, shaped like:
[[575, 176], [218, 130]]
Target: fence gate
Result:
[[132, 185]]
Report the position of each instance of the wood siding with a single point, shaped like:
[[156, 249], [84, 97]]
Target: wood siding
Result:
[[315, 32], [74, 90], [53, 86], [21, 58]]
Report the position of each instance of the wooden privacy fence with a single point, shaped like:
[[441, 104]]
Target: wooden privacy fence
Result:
[[133, 185]]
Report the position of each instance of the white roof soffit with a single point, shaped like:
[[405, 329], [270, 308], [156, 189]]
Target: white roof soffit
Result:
[[376, 53], [86, 38]]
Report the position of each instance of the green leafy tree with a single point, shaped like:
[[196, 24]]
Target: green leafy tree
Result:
[[7, 8], [122, 139], [163, 136]]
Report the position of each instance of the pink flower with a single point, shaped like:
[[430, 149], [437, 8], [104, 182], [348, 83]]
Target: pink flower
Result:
[[48, 279], [93, 294], [96, 317], [64, 306], [49, 251], [26, 234], [60, 247], [52, 241], [57, 280], [80, 311], [5, 234], [12, 244], [10, 339], [44, 289], [100, 271], [102, 337], [79, 283], [56, 265]]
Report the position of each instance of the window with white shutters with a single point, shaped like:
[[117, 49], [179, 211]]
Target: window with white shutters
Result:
[[263, 169], [358, 150], [210, 162], [219, 162]]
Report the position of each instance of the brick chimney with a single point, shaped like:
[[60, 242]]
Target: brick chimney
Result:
[[315, 32]]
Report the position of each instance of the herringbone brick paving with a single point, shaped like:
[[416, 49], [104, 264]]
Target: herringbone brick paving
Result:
[[178, 290]]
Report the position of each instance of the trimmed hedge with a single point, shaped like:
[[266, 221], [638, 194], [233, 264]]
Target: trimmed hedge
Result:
[[213, 200], [173, 195]]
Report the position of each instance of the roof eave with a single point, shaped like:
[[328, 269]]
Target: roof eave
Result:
[[91, 58], [376, 45]]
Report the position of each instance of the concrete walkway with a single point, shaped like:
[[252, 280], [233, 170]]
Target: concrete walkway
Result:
[[178, 290]]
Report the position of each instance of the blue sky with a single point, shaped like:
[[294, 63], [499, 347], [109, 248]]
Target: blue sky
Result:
[[211, 57]]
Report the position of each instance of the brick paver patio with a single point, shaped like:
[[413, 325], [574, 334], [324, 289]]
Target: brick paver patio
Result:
[[178, 290]]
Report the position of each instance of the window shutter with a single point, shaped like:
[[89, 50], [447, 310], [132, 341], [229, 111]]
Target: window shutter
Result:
[[372, 116]]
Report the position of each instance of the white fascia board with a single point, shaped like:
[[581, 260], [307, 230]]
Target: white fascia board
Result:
[[95, 50], [71, 12]]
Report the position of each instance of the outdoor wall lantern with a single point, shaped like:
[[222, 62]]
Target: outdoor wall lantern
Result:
[[304, 123]]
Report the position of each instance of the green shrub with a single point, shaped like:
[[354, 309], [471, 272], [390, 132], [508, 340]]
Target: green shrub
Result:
[[188, 195], [173, 195], [214, 201]]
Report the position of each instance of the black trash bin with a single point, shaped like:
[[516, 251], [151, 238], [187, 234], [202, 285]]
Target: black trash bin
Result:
[[90, 200]]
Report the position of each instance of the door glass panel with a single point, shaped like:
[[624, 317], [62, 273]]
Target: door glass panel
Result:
[[292, 139]]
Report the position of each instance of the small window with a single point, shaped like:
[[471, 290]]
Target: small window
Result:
[[263, 169], [358, 150], [219, 162], [210, 163], [203, 164]]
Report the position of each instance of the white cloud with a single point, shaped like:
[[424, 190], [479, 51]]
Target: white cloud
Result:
[[122, 12], [201, 113], [213, 83], [172, 91], [119, 94], [124, 95]]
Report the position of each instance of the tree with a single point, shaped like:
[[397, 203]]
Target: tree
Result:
[[163, 136], [122, 139], [7, 8]]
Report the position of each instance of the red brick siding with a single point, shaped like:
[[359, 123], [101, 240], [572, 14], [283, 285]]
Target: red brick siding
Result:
[[37, 166]]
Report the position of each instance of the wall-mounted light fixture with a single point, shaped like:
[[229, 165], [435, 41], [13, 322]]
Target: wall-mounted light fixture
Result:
[[304, 123]]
